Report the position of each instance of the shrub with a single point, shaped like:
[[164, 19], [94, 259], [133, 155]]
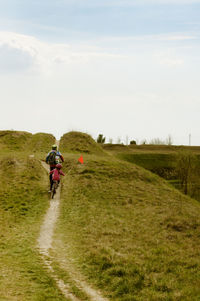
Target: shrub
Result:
[[101, 139]]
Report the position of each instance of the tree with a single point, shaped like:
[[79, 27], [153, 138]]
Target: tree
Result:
[[118, 140], [133, 142], [185, 167], [144, 141], [169, 140], [157, 141], [101, 139]]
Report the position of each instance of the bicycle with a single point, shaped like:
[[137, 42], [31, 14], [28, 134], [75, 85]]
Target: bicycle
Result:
[[54, 187]]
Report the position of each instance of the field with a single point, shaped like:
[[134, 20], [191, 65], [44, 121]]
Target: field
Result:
[[163, 161], [131, 233], [23, 202], [126, 230]]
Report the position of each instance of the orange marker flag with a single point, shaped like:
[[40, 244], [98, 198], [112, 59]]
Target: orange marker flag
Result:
[[80, 159]]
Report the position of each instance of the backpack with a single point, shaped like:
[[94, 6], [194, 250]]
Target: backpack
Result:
[[52, 158]]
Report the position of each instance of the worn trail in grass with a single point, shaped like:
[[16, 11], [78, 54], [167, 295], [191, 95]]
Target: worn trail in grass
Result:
[[23, 201], [45, 244], [45, 240]]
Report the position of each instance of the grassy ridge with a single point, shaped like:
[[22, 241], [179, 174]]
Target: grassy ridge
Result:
[[14, 140], [76, 142], [23, 202], [132, 235], [24, 141]]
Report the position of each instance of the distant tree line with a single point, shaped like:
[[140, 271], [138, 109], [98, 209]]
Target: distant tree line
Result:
[[155, 141]]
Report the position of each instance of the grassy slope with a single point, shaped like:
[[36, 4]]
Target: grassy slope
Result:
[[132, 235], [23, 202], [12, 141], [127, 230], [162, 160], [76, 142]]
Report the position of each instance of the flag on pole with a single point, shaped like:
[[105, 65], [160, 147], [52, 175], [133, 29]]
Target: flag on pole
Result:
[[80, 159]]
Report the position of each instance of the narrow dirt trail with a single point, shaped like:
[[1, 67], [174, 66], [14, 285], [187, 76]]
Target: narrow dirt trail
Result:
[[45, 244], [45, 240]]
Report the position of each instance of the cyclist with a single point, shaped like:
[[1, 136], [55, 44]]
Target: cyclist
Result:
[[55, 173], [54, 157]]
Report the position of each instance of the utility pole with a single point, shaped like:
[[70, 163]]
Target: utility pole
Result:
[[190, 137]]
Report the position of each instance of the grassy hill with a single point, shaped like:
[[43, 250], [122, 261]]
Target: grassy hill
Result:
[[14, 140], [162, 160], [77, 142], [41, 142], [24, 141], [128, 231]]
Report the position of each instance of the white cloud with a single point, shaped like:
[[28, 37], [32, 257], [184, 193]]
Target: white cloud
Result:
[[14, 59], [164, 1], [22, 52], [156, 80], [171, 61], [175, 37], [157, 37], [130, 2], [169, 58]]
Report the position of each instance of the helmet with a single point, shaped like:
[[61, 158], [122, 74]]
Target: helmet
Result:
[[59, 166], [54, 146]]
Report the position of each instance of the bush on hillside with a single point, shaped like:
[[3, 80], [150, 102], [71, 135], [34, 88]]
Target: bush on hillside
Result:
[[101, 139]]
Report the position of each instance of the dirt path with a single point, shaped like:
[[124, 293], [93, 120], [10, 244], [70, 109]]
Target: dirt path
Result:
[[45, 244], [45, 240]]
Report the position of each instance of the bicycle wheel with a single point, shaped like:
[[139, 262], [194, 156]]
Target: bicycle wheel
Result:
[[53, 191]]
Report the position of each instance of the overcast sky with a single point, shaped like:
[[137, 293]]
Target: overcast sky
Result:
[[117, 67]]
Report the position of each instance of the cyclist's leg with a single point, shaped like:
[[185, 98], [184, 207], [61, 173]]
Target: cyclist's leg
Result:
[[50, 177], [51, 184]]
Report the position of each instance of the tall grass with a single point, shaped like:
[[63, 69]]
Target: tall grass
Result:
[[130, 233]]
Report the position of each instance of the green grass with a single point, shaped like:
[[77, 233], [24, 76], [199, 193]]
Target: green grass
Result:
[[162, 160], [125, 229], [12, 141], [76, 142], [23, 202], [128, 231], [159, 163]]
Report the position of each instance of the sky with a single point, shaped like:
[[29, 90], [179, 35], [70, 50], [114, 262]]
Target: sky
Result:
[[128, 69]]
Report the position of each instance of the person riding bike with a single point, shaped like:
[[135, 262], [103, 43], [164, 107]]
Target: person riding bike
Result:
[[55, 173], [54, 157]]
